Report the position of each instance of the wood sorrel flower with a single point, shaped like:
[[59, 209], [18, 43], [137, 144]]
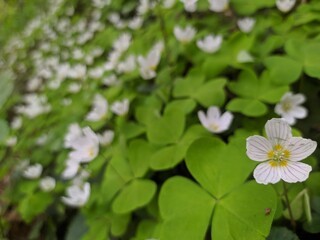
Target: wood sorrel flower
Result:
[[289, 107], [214, 121], [77, 195], [280, 154], [285, 5], [210, 43]]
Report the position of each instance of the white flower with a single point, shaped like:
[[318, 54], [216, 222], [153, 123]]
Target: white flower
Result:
[[120, 107], [106, 137], [289, 107], [184, 35], [99, 109], [86, 147], [168, 3], [74, 132], [243, 57], [218, 5], [72, 167], [96, 72], [285, 5], [77, 195], [47, 184], [11, 141], [149, 64], [16, 123], [35, 105], [33, 171], [214, 121], [210, 43], [111, 80], [190, 5], [78, 71], [246, 24], [127, 65], [122, 43], [113, 59], [74, 87], [280, 154], [81, 177], [135, 23]]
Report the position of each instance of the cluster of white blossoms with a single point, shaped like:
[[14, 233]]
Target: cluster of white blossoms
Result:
[[280, 154]]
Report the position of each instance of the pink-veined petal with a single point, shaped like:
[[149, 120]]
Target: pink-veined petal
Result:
[[258, 148], [213, 113], [278, 131], [300, 148], [295, 172], [264, 173]]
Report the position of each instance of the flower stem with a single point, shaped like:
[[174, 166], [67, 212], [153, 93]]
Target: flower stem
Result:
[[285, 192], [164, 33]]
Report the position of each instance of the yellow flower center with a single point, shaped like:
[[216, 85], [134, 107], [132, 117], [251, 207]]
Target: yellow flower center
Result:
[[214, 127], [278, 156], [91, 152], [286, 106]]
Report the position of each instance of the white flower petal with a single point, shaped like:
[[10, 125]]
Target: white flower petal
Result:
[[203, 119], [299, 112], [213, 113], [289, 118], [264, 173], [278, 131], [258, 148], [225, 120], [295, 172], [300, 148], [298, 99]]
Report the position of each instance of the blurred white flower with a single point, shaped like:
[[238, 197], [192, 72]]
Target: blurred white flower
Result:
[[144, 6], [11, 141], [77, 196], [168, 3], [16, 122], [77, 71], [71, 169], [135, 23], [190, 5], [214, 121], [149, 64], [128, 65], [120, 107], [113, 59], [99, 109], [33, 171], [184, 35], [244, 56], [285, 5], [289, 107], [85, 147], [34, 105], [280, 154], [81, 177], [47, 184], [122, 43], [106, 137], [210, 43], [110, 80], [34, 83], [218, 5], [96, 72], [246, 24], [77, 54], [74, 132], [74, 87], [66, 101]]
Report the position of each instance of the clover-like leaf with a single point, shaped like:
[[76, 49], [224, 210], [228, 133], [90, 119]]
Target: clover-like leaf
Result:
[[136, 194], [186, 209]]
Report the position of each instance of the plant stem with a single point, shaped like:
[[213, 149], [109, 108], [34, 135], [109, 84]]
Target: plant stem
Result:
[[285, 192]]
